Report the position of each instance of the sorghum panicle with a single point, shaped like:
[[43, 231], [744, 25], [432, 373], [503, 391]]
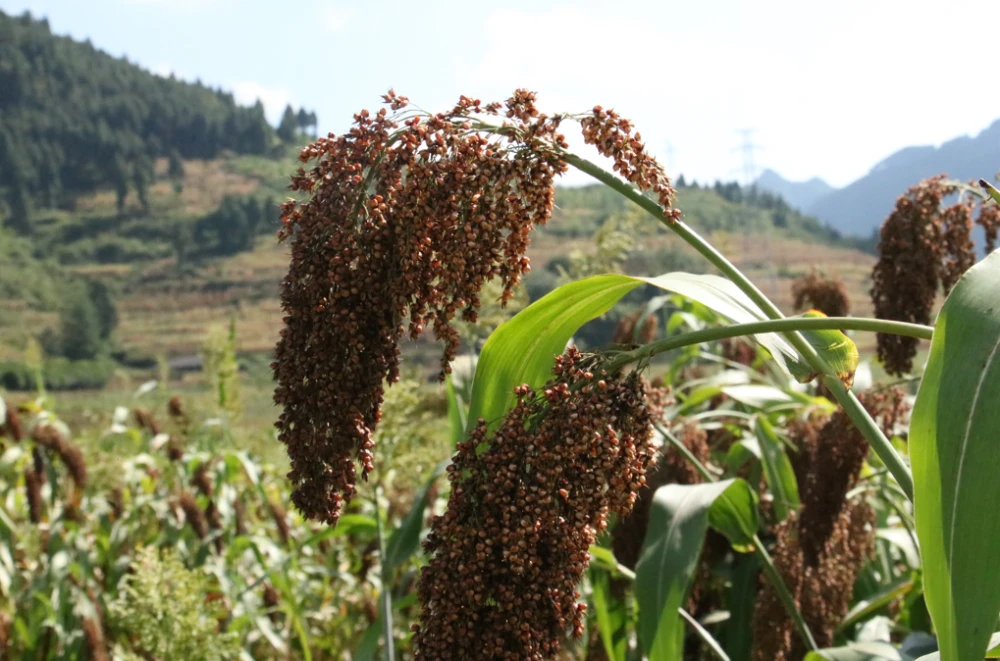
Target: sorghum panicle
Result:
[[923, 248], [612, 135], [49, 437], [407, 216], [625, 331], [989, 220], [672, 468], [511, 548], [145, 420], [11, 428], [822, 591], [821, 549], [402, 227], [819, 291], [94, 637], [33, 492], [193, 515], [201, 481], [738, 350]]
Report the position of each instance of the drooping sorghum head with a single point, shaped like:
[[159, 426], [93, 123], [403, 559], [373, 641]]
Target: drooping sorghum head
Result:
[[11, 426], [93, 635], [821, 549], [989, 220], [33, 493], [145, 420], [612, 135], [193, 515], [819, 291], [625, 331], [671, 468], [49, 437], [923, 247], [406, 217], [822, 591], [525, 505]]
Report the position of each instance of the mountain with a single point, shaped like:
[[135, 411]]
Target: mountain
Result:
[[860, 208], [74, 119], [799, 194]]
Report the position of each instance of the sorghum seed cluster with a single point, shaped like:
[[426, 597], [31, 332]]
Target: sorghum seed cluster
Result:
[[821, 549], [511, 548], [47, 436], [625, 331], [612, 135], [819, 291], [923, 248], [672, 468], [407, 216], [821, 590], [402, 227]]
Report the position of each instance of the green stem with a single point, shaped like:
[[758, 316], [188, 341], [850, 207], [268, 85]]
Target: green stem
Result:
[[787, 600], [848, 401], [385, 599], [647, 351]]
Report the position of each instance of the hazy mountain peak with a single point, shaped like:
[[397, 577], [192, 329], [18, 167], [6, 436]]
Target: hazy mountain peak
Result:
[[859, 208], [798, 194]]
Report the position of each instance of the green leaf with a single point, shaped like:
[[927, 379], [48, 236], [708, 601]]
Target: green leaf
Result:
[[368, 645], [523, 348], [456, 414], [679, 517], [953, 449], [612, 616], [705, 636], [989, 188], [734, 514], [777, 469], [993, 651], [838, 350], [740, 598], [758, 396], [866, 608], [742, 451], [857, 652], [405, 539]]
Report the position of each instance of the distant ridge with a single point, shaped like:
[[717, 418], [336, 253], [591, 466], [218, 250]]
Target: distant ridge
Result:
[[799, 194], [860, 208]]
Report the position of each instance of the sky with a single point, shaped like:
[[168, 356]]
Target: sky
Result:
[[823, 89]]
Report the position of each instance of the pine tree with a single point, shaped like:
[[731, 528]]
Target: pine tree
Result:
[[286, 129]]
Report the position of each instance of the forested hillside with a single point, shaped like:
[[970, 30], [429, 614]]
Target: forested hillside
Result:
[[74, 119], [138, 210]]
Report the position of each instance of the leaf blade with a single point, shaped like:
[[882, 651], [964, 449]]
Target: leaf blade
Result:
[[952, 449], [679, 518]]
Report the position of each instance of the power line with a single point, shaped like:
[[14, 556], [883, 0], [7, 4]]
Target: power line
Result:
[[747, 148]]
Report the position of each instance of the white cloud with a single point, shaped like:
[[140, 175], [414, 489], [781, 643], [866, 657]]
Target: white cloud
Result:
[[335, 18], [274, 98]]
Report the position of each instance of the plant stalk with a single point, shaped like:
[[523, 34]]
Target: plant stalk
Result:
[[385, 598], [647, 351], [892, 460]]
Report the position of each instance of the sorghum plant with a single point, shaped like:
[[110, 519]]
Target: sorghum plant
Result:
[[405, 219]]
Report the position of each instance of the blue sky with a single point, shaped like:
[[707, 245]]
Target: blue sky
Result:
[[829, 88]]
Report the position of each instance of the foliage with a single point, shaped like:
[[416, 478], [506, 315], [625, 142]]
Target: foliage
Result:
[[779, 523], [222, 368], [123, 117], [166, 611]]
